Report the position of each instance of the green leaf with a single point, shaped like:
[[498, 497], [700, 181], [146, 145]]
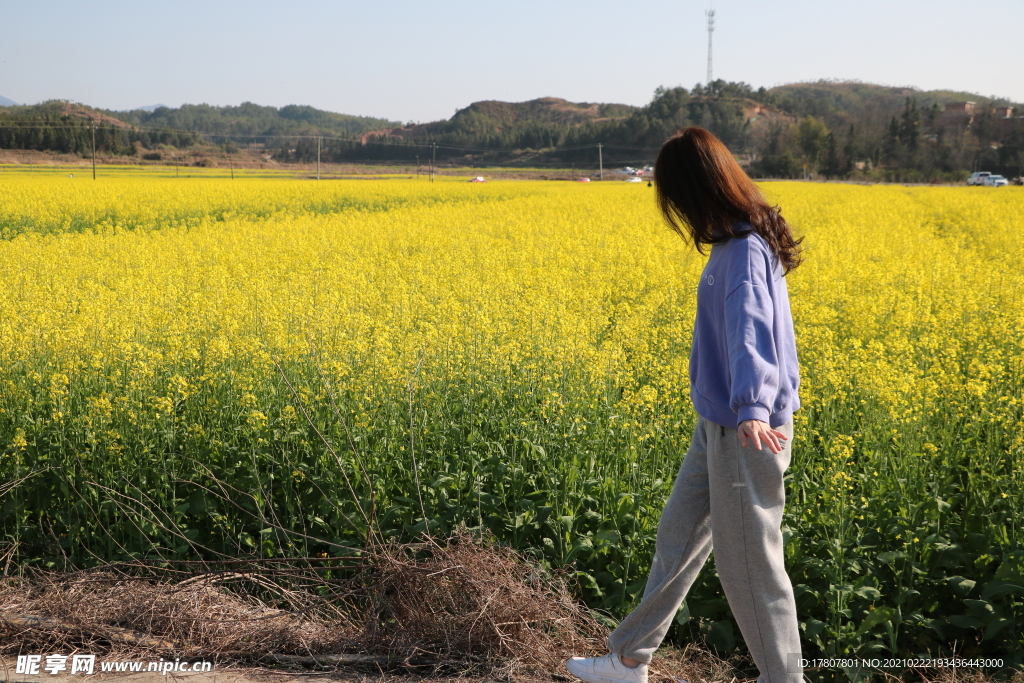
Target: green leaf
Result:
[[625, 506], [604, 619], [891, 556], [980, 608], [936, 626], [580, 545], [996, 626], [806, 599], [441, 481], [961, 585], [997, 587], [964, 621], [868, 593], [683, 615], [876, 617], [812, 627], [722, 637], [1010, 570], [586, 580]]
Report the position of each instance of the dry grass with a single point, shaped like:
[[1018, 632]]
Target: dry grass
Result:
[[465, 608], [473, 604]]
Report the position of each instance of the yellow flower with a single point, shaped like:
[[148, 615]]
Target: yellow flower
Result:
[[173, 303], [19, 442]]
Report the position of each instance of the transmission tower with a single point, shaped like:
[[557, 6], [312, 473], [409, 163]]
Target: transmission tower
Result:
[[711, 28]]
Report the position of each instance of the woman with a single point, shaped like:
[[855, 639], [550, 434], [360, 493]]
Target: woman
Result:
[[743, 382]]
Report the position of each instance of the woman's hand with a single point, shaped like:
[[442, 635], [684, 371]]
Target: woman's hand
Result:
[[760, 431]]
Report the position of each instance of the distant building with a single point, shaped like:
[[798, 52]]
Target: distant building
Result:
[[966, 113], [957, 115], [959, 109]]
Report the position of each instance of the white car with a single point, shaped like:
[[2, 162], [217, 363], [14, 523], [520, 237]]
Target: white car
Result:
[[994, 181], [978, 178], [634, 179]]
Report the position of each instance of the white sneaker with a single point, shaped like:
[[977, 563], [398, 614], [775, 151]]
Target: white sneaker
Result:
[[607, 669]]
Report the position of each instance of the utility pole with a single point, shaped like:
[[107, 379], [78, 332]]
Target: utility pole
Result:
[[417, 165], [318, 139], [433, 159], [711, 27], [94, 150], [231, 162], [600, 162]]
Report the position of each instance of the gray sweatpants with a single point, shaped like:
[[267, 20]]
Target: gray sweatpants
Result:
[[732, 497]]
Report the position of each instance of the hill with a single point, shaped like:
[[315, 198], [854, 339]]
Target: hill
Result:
[[831, 128], [553, 131], [4, 102], [63, 126], [70, 128], [495, 116], [252, 120], [840, 103], [837, 129], [492, 117], [853, 129]]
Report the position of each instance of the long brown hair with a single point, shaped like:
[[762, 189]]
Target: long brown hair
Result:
[[703, 193]]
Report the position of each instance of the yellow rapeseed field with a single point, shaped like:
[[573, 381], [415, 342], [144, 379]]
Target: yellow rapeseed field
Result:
[[527, 340]]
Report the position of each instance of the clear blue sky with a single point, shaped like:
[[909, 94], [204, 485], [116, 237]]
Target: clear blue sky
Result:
[[421, 61]]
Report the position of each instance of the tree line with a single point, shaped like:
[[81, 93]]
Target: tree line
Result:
[[830, 130], [250, 122], [824, 129], [47, 128]]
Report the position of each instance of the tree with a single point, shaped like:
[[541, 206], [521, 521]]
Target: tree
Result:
[[813, 137], [851, 150], [910, 125], [892, 140], [831, 165]]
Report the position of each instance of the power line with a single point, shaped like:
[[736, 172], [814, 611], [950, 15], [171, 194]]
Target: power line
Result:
[[521, 158], [400, 142]]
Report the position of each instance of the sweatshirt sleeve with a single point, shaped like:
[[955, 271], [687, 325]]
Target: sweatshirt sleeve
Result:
[[753, 361]]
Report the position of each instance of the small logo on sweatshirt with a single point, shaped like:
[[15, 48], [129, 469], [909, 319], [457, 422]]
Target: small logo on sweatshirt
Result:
[[710, 279]]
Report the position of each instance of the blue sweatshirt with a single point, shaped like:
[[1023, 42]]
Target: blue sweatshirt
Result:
[[743, 363]]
